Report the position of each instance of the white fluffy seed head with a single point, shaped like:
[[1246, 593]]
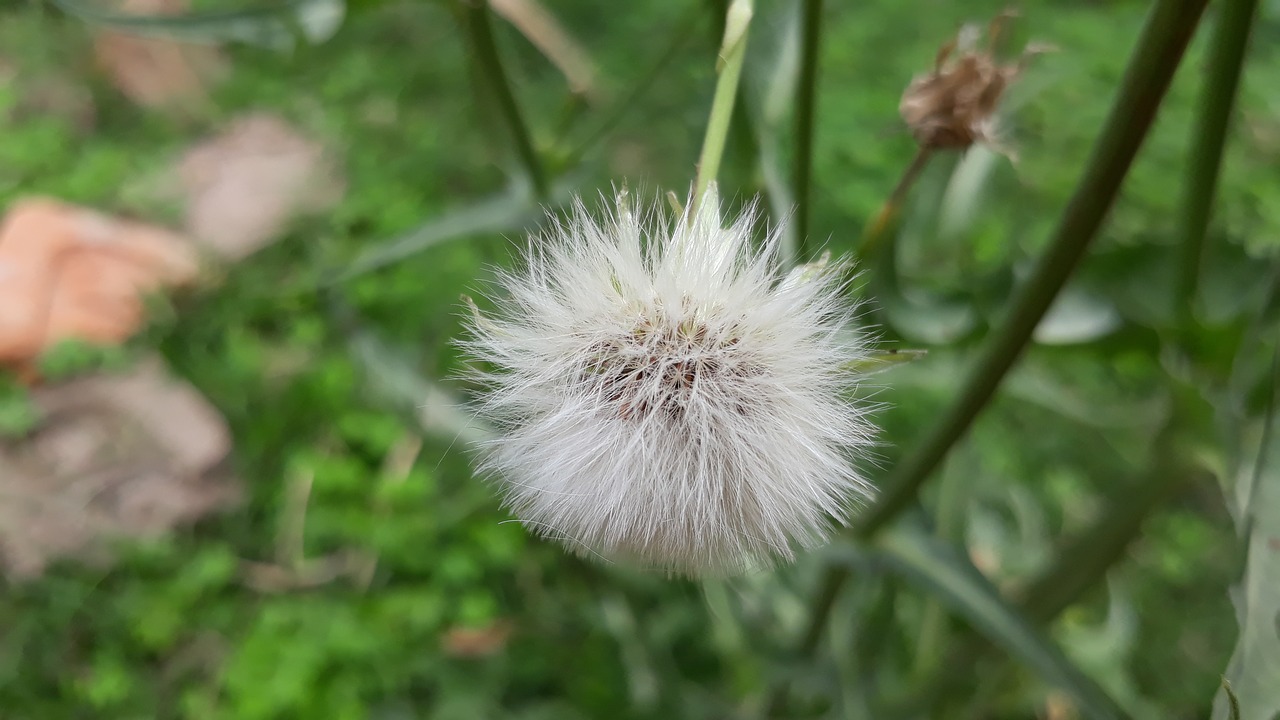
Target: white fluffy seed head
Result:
[[666, 398]]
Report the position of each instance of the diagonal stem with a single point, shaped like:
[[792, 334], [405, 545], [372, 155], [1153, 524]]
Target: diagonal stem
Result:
[[1217, 100], [806, 105], [480, 28]]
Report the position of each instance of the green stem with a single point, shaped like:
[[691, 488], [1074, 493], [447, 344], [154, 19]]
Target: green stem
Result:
[[620, 110], [480, 28], [733, 49], [878, 229], [950, 512], [1217, 99], [806, 105], [1163, 41]]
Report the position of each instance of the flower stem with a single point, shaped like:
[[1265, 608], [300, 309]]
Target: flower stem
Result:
[[883, 221], [733, 49], [806, 105], [1217, 99], [480, 28]]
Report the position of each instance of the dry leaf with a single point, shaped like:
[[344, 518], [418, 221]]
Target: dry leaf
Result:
[[68, 272], [243, 187], [157, 72], [114, 456], [477, 642]]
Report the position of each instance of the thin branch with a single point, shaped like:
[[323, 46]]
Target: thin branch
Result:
[[880, 224], [480, 28], [806, 106], [1217, 100], [679, 36]]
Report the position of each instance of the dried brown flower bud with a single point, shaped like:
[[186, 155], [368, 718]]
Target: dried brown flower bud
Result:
[[954, 105]]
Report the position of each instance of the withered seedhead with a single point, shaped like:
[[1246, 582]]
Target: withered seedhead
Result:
[[953, 106]]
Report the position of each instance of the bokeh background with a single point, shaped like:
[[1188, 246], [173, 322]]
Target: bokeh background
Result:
[[345, 563]]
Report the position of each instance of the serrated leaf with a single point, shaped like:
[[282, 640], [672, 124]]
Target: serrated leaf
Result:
[[939, 568]]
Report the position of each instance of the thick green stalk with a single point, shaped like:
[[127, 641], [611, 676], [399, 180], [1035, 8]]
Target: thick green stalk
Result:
[[1164, 39], [806, 106], [733, 49], [1217, 100], [1160, 48], [480, 28]]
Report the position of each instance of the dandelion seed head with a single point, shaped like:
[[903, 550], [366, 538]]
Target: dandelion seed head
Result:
[[666, 397]]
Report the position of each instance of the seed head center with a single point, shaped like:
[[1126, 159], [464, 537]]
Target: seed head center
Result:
[[664, 367]]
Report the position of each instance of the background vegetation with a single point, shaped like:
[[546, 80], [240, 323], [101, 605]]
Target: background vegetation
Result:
[[320, 361]]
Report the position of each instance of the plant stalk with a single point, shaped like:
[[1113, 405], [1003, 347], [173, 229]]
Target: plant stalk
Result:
[[618, 112], [733, 50], [879, 227], [480, 28], [1217, 100], [806, 107]]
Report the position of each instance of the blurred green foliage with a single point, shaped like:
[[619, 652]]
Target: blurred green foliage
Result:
[[175, 629]]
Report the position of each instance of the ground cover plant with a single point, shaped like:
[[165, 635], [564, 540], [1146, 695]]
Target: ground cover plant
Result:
[[1074, 364]]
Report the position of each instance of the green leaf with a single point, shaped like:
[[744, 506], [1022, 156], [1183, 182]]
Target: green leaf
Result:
[[512, 210], [887, 360], [938, 567], [277, 25], [925, 317], [1077, 316], [962, 200], [393, 379], [769, 95], [1255, 664]]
